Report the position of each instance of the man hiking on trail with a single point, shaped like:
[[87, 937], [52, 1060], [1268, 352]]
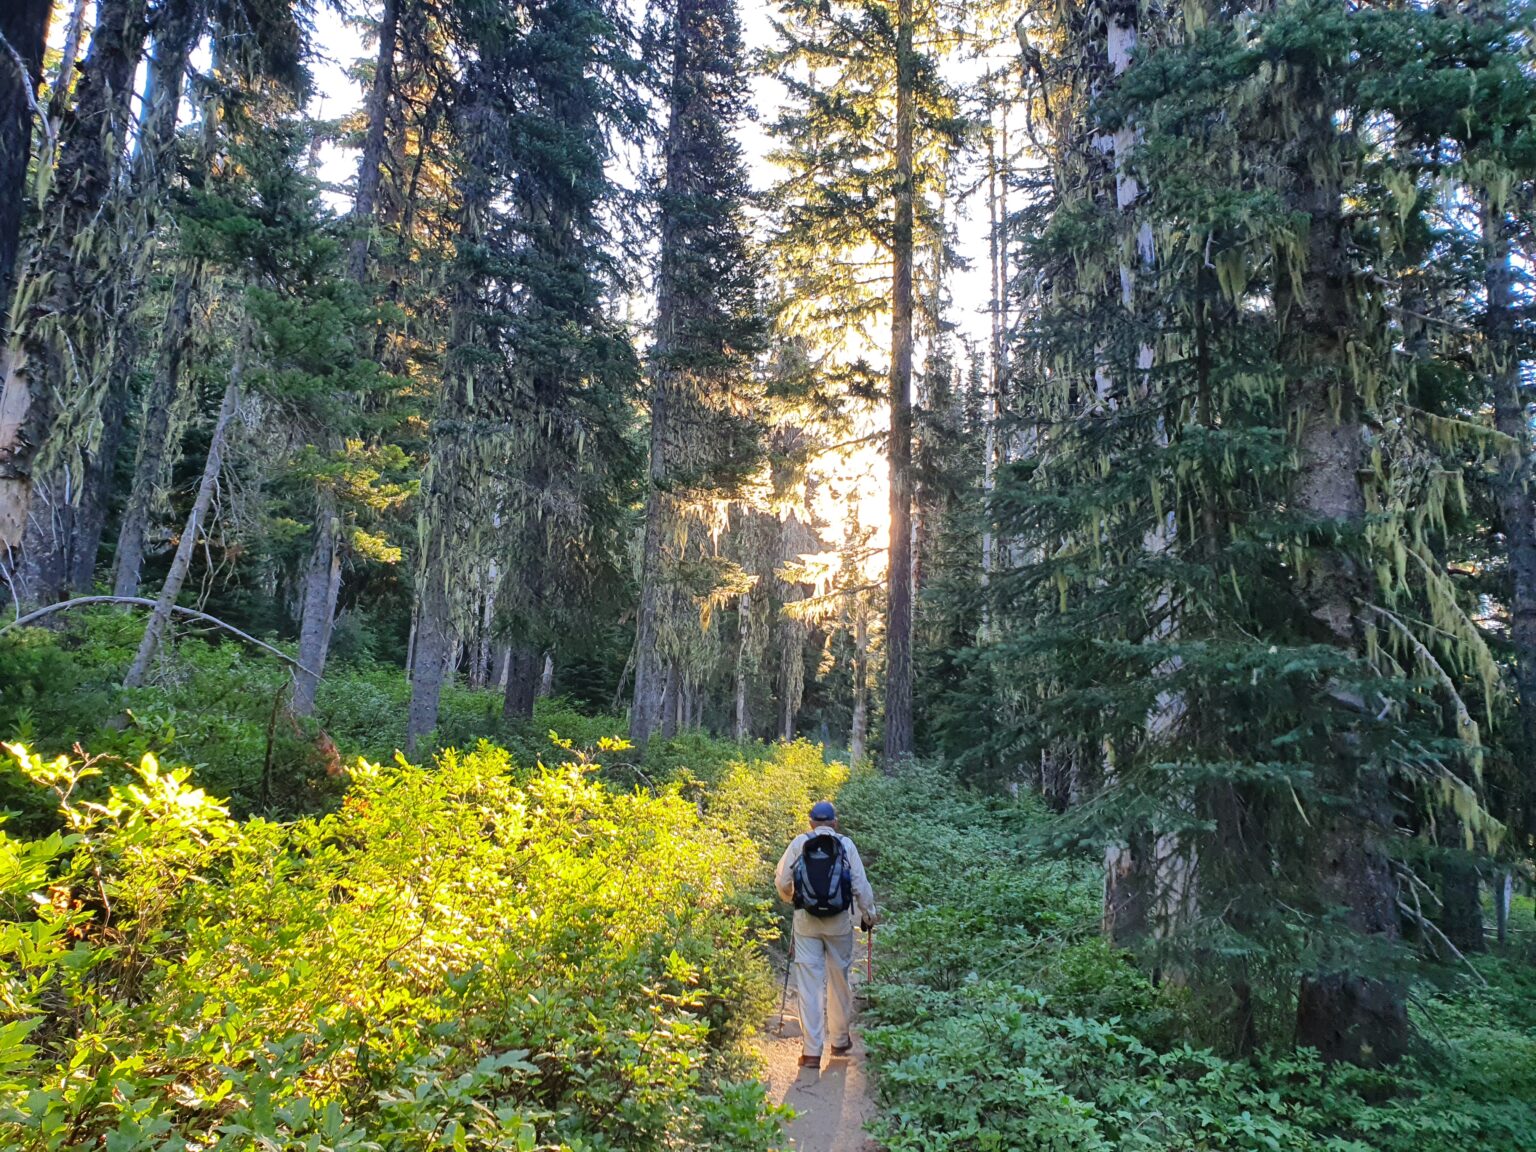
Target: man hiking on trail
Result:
[[822, 875]]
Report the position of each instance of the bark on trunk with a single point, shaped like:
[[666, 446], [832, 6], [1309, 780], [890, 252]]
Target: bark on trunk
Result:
[[1127, 898], [24, 26], [743, 664], [38, 570], [156, 452], [178, 26], [1461, 904], [998, 279], [669, 693], [58, 100], [1352, 1018], [645, 714], [322, 580], [523, 668], [90, 518], [791, 671], [429, 665], [1344, 1015], [371, 163], [858, 734], [899, 744], [547, 678], [181, 564], [1513, 486], [432, 640], [57, 358], [1503, 895]]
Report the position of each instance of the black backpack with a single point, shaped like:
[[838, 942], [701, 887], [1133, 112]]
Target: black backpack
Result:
[[823, 883]]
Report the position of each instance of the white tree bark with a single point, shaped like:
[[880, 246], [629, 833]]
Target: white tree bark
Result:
[[160, 618]]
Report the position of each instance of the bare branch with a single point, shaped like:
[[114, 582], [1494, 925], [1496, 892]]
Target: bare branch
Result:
[[145, 602]]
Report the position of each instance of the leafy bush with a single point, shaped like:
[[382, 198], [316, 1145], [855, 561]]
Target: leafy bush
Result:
[[768, 793], [1003, 1021], [468, 955], [216, 707]]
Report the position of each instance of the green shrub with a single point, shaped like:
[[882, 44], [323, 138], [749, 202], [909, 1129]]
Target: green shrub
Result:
[[1001, 1020], [768, 793], [465, 955]]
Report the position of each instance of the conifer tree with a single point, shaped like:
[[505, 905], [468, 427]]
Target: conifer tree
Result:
[[532, 455], [704, 437], [62, 335], [322, 572], [869, 124], [23, 30], [1301, 609]]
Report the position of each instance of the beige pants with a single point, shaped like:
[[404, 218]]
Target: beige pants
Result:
[[822, 964]]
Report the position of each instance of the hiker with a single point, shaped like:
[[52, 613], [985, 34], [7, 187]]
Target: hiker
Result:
[[822, 875]]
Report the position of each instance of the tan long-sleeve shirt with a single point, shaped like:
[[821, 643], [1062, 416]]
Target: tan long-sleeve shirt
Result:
[[863, 895]]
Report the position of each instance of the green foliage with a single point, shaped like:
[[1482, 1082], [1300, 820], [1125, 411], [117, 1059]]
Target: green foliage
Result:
[[1004, 1021], [218, 709], [460, 956], [768, 794]]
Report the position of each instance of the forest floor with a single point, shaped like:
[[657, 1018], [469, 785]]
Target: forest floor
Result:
[[831, 1105]]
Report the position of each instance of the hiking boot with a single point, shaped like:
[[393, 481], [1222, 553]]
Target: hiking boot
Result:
[[810, 1061], [842, 1049]]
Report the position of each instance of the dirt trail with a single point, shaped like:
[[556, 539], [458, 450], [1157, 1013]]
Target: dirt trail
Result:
[[832, 1104]]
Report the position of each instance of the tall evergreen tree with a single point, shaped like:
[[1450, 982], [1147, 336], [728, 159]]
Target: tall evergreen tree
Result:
[[1300, 608], [532, 456], [23, 30], [869, 123], [63, 332], [704, 436]]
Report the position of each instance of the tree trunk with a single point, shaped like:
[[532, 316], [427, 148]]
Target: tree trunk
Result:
[[323, 574], [998, 279], [1345, 1016], [1351, 1018], [156, 452], [899, 743], [429, 664], [322, 580], [791, 673], [1127, 901], [858, 733], [370, 166], [1461, 903], [547, 678], [523, 668], [1516, 481], [743, 726], [181, 564], [651, 670], [669, 692], [62, 346], [428, 655], [24, 26], [178, 26], [58, 100], [89, 521], [1503, 896]]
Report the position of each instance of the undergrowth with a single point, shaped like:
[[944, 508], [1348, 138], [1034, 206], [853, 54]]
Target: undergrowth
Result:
[[467, 955], [546, 942], [1001, 1020]]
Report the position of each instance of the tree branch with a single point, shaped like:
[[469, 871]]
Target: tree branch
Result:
[[145, 602]]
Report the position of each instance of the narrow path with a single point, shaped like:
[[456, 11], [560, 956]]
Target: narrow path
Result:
[[831, 1105]]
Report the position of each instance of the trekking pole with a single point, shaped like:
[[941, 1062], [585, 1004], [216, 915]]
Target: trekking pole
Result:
[[784, 997], [869, 957]]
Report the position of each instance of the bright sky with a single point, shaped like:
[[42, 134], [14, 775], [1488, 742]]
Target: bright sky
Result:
[[339, 45], [857, 478]]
